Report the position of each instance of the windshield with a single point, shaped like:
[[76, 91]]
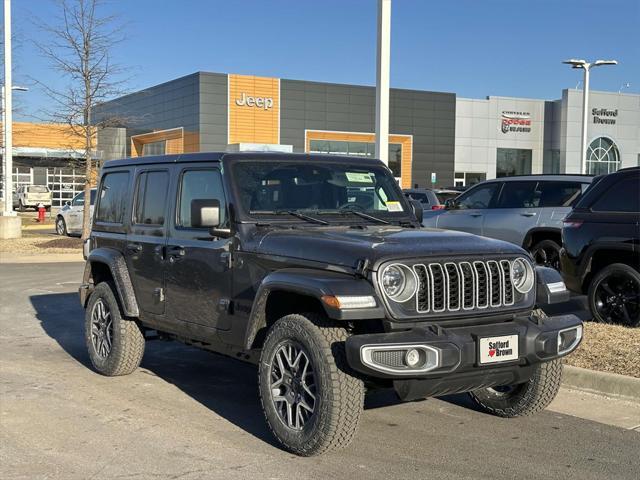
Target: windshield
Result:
[[275, 187]]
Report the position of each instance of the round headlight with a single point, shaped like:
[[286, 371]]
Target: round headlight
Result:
[[522, 275], [399, 282]]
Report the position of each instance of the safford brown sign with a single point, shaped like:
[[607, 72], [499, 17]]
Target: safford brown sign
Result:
[[516, 122], [604, 116]]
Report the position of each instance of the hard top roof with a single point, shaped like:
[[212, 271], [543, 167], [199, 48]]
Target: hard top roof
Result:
[[232, 157]]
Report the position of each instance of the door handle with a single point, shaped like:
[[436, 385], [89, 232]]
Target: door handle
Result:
[[528, 214], [133, 248], [175, 253], [475, 215]]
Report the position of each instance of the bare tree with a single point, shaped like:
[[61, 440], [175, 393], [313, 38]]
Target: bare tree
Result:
[[79, 46]]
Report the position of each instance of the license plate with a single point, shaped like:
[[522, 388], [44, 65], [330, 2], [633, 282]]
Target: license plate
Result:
[[498, 349]]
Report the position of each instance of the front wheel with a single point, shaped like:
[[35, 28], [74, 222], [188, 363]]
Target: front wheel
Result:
[[311, 401], [115, 344], [61, 226], [614, 295], [525, 398]]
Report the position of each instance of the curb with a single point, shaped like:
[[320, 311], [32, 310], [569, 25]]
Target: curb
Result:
[[604, 383], [50, 226]]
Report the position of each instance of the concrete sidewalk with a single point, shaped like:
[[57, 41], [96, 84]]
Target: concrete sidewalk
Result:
[[6, 258]]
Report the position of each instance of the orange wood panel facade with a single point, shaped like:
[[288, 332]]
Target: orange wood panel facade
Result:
[[405, 140], [254, 109], [45, 135]]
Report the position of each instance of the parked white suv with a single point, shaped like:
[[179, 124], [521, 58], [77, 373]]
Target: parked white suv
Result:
[[69, 218], [31, 196]]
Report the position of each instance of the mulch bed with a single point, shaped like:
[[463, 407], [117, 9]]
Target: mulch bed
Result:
[[608, 348], [65, 242]]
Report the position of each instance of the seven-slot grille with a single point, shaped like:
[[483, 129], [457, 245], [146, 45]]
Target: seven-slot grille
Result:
[[463, 286]]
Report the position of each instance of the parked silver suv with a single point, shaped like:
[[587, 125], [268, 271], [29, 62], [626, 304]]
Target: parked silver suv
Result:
[[525, 210]]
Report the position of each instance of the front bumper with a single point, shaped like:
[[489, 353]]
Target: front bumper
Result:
[[458, 367]]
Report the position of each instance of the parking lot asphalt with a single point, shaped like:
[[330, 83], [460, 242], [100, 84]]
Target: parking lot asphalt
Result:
[[190, 414]]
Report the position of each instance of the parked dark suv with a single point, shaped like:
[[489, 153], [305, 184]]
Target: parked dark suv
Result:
[[316, 268], [601, 253]]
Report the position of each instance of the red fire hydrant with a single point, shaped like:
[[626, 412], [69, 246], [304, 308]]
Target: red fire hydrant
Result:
[[41, 213]]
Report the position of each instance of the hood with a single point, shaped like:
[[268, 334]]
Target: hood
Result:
[[345, 246]]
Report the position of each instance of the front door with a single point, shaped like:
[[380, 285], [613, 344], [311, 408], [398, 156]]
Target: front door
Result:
[[74, 222], [145, 246], [198, 274], [471, 209]]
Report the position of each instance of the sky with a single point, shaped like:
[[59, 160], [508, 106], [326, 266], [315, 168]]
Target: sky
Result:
[[473, 48]]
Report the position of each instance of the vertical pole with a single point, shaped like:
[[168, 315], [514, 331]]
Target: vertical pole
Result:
[[8, 108], [585, 120], [382, 80], [4, 157]]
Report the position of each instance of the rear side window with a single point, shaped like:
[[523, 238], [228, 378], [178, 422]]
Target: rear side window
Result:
[[151, 198], [519, 195], [199, 185], [113, 197], [560, 194], [621, 197]]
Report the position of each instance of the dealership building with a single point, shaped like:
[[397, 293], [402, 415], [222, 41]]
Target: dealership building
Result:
[[435, 138]]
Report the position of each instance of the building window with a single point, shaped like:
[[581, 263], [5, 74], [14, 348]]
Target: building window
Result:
[[468, 179], [154, 148], [360, 149], [513, 161], [602, 157]]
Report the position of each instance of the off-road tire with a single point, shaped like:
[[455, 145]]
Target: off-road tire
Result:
[[340, 395], [127, 345], [526, 398], [632, 273], [61, 226], [545, 245]]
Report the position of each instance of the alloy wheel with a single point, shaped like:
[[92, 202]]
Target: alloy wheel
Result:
[[617, 299], [60, 226], [101, 329], [293, 385]]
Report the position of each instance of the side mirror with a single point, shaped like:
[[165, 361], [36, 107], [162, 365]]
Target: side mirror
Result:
[[450, 204], [67, 203], [205, 213], [417, 209]]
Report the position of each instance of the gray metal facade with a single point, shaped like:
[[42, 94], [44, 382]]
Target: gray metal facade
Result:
[[428, 116]]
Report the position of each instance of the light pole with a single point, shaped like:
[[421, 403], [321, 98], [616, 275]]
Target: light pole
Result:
[[586, 66], [382, 80], [6, 171]]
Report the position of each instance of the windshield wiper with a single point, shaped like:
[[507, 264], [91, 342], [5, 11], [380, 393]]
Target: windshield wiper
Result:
[[294, 213], [365, 215]]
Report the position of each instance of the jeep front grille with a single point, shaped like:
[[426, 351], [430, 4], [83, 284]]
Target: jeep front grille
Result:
[[463, 286]]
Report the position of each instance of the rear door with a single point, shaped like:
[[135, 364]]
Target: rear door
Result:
[[472, 206], [144, 248], [517, 210], [198, 265]]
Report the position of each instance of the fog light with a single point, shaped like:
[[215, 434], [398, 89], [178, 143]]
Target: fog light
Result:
[[568, 339], [412, 358]]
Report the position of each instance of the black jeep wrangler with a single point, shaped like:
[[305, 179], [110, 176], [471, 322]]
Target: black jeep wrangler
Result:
[[317, 269]]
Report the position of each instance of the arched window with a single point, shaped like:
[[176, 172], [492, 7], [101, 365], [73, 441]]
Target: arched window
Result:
[[602, 157]]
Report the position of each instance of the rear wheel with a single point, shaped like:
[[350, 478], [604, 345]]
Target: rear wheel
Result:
[[312, 403], [546, 253], [525, 398], [61, 226], [115, 345], [614, 295]]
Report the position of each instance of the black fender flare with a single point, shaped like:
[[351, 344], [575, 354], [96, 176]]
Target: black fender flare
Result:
[[315, 284], [113, 259]]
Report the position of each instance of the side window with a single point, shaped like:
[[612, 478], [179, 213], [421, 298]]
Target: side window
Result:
[[112, 197], [620, 197], [151, 198], [560, 194], [519, 195], [479, 197], [199, 185], [78, 201], [93, 197]]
